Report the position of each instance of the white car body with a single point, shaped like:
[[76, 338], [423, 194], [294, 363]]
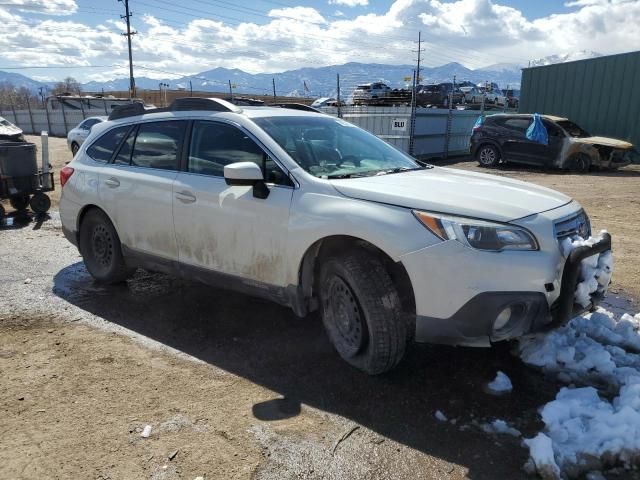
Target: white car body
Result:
[[9, 131], [78, 134], [199, 225]]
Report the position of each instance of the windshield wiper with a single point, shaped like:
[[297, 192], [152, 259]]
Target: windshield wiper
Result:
[[402, 169]]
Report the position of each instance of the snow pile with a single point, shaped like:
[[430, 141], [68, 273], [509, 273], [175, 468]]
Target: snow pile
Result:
[[583, 430], [501, 384], [500, 426], [595, 271]]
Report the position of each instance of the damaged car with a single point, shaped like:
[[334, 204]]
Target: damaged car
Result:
[[503, 138], [9, 132]]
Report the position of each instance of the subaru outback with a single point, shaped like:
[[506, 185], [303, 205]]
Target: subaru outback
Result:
[[321, 216]]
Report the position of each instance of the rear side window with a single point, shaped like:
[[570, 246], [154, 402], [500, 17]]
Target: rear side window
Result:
[[102, 149], [518, 125], [157, 145]]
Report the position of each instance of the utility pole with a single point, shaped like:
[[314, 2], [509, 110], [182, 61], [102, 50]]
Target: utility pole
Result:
[[190, 89], [412, 123], [129, 34], [273, 80], [419, 51], [338, 95], [230, 91]]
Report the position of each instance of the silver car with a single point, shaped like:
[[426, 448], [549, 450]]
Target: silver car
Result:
[[79, 134]]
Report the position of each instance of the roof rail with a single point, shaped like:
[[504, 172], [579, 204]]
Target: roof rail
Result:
[[127, 110], [295, 106], [198, 103]]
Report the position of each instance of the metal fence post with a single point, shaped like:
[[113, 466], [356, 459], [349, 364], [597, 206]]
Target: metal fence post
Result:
[[33, 128], [82, 108], [46, 109], [338, 95], [64, 118], [105, 107], [412, 123], [13, 110]]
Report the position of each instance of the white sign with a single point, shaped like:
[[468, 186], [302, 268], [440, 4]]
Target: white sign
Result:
[[399, 124]]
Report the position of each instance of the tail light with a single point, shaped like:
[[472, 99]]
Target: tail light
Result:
[[476, 128], [65, 175]]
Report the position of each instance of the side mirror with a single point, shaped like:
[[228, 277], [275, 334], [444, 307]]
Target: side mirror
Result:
[[246, 173]]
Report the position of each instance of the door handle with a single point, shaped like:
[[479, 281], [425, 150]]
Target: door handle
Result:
[[186, 197], [112, 182]]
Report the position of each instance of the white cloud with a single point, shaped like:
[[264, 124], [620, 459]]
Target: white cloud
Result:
[[49, 7], [473, 32], [349, 3]]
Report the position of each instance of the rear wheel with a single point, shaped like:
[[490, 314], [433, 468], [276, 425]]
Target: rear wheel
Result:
[[361, 311], [40, 203], [101, 249], [488, 156], [74, 148], [20, 202]]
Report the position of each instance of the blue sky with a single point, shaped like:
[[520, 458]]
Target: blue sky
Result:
[[190, 36]]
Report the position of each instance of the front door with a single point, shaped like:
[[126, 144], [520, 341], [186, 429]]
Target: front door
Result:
[[225, 228]]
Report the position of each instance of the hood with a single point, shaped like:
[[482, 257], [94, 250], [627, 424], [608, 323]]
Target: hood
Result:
[[455, 192], [7, 128], [607, 142]]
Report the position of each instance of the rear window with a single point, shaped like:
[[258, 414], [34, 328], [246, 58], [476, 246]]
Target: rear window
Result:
[[102, 149]]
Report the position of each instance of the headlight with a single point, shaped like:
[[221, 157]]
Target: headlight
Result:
[[478, 234]]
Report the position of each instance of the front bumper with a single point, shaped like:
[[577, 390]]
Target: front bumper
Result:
[[474, 323]]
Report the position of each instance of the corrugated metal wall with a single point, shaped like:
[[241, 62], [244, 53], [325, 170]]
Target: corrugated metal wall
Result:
[[602, 95]]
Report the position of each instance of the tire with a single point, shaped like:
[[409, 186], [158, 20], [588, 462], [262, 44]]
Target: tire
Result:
[[488, 155], [361, 312], [580, 163], [2, 212], [101, 249], [20, 202], [74, 148], [40, 203]]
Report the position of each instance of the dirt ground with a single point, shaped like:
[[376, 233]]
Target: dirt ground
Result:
[[235, 387]]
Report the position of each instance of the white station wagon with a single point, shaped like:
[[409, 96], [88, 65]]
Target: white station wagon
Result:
[[318, 215]]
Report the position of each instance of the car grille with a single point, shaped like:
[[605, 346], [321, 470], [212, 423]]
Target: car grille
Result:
[[576, 225]]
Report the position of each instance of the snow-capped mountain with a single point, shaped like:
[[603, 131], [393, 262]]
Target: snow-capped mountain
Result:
[[320, 81], [565, 57]]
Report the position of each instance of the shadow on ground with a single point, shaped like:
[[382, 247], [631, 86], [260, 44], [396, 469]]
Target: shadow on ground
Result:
[[266, 344], [23, 219]]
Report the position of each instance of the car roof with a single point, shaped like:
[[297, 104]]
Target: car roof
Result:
[[551, 118]]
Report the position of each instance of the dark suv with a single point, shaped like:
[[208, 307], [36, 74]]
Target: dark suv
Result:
[[502, 138], [438, 94]]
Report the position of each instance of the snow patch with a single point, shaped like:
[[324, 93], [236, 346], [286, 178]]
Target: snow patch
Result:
[[500, 385], [584, 430], [441, 417], [502, 427]]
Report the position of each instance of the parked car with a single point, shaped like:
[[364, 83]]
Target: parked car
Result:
[[503, 138], [438, 94], [314, 213], [512, 97], [471, 95], [370, 93], [321, 102], [9, 132], [78, 134], [490, 90]]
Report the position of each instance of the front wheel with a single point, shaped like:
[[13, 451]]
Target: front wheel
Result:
[[361, 312], [488, 156], [40, 203], [580, 163], [19, 202], [101, 250]]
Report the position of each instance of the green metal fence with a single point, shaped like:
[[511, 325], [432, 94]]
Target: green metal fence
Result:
[[602, 95]]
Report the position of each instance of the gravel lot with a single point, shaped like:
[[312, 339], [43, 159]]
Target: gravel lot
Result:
[[239, 387]]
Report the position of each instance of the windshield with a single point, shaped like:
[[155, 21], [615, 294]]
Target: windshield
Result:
[[572, 129], [333, 148]]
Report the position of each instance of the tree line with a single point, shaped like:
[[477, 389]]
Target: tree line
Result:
[[19, 97]]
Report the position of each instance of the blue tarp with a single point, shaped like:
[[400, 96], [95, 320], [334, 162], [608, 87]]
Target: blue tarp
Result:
[[537, 132]]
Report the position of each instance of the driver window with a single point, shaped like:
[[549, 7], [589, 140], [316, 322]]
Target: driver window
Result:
[[214, 145]]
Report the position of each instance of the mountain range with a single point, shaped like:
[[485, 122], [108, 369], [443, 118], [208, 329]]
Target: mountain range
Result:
[[320, 81]]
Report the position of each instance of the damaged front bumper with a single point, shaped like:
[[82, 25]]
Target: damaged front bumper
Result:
[[494, 316]]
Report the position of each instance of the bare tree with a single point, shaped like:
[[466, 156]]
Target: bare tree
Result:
[[18, 97], [68, 86]]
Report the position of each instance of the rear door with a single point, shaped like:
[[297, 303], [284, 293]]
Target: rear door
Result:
[[137, 187], [225, 228]]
